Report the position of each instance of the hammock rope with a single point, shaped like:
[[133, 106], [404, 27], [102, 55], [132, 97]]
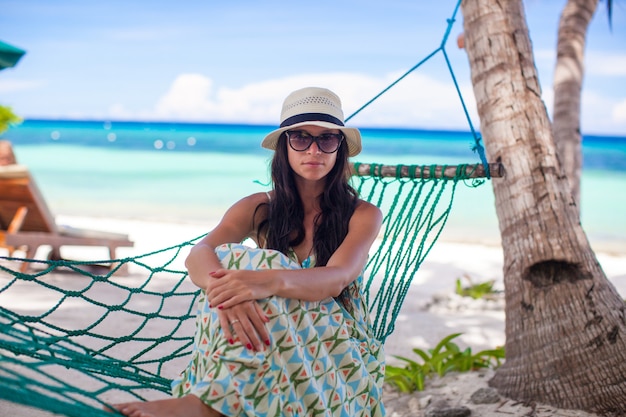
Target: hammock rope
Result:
[[129, 339], [477, 145]]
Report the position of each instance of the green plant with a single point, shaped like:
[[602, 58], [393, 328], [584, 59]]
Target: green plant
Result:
[[445, 357], [475, 291], [7, 118]]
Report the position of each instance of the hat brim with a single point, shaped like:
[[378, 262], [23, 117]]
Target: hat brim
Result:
[[353, 135]]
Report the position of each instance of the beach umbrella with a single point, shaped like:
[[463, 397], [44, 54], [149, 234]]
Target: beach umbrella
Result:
[[9, 55]]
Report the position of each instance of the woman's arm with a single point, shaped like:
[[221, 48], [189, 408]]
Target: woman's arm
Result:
[[236, 225], [312, 284]]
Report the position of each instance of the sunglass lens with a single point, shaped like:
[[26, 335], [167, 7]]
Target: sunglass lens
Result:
[[300, 141], [329, 142]]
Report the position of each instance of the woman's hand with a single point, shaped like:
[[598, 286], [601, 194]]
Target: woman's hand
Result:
[[246, 321], [231, 287]]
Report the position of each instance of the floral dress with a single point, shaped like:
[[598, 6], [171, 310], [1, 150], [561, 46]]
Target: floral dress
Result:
[[322, 360]]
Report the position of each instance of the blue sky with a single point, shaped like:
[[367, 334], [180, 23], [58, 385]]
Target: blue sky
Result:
[[235, 60]]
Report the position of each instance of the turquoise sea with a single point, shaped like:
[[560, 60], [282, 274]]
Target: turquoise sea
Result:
[[193, 172]]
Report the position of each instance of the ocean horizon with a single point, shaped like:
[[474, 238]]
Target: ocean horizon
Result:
[[192, 172]]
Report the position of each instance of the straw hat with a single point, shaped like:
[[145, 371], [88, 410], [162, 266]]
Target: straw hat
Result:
[[314, 106]]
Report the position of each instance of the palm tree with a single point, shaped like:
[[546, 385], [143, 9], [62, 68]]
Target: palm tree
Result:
[[565, 322], [7, 118], [568, 79]]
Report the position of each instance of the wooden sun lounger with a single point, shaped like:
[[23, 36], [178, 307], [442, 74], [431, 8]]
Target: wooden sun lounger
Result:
[[27, 223]]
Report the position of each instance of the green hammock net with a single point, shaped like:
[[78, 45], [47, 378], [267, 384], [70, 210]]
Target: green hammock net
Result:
[[94, 337], [91, 336]]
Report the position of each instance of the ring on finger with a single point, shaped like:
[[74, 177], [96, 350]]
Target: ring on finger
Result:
[[234, 321]]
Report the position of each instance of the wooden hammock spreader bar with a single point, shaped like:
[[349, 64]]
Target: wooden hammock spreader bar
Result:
[[496, 170]]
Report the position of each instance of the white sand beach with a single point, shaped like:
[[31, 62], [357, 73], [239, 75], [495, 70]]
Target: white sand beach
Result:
[[429, 313]]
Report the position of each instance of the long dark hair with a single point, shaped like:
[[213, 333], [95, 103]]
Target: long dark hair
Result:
[[284, 226]]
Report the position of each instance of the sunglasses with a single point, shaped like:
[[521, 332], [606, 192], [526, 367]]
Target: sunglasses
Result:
[[300, 141]]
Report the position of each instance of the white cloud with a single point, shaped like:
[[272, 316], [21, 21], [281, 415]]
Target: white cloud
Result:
[[189, 98], [600, 114], [619, 113], [417, 101], [606, 65]]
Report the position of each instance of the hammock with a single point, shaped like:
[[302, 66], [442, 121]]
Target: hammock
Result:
[[129, 339], [131, 335]]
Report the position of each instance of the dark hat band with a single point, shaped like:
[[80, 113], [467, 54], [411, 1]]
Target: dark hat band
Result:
[[311, 117]]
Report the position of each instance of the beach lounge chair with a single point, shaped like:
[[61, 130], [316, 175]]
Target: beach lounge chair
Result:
[[26, 222]]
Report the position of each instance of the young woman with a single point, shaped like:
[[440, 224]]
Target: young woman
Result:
[[283, 329]]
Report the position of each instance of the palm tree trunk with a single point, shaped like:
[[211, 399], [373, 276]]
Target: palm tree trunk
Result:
[[565, 322], [568, 79]]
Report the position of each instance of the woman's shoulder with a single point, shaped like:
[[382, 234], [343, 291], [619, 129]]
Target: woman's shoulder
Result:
[[245, 213], [366, 205], [247, 205], [255, 199], [367, 209]]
